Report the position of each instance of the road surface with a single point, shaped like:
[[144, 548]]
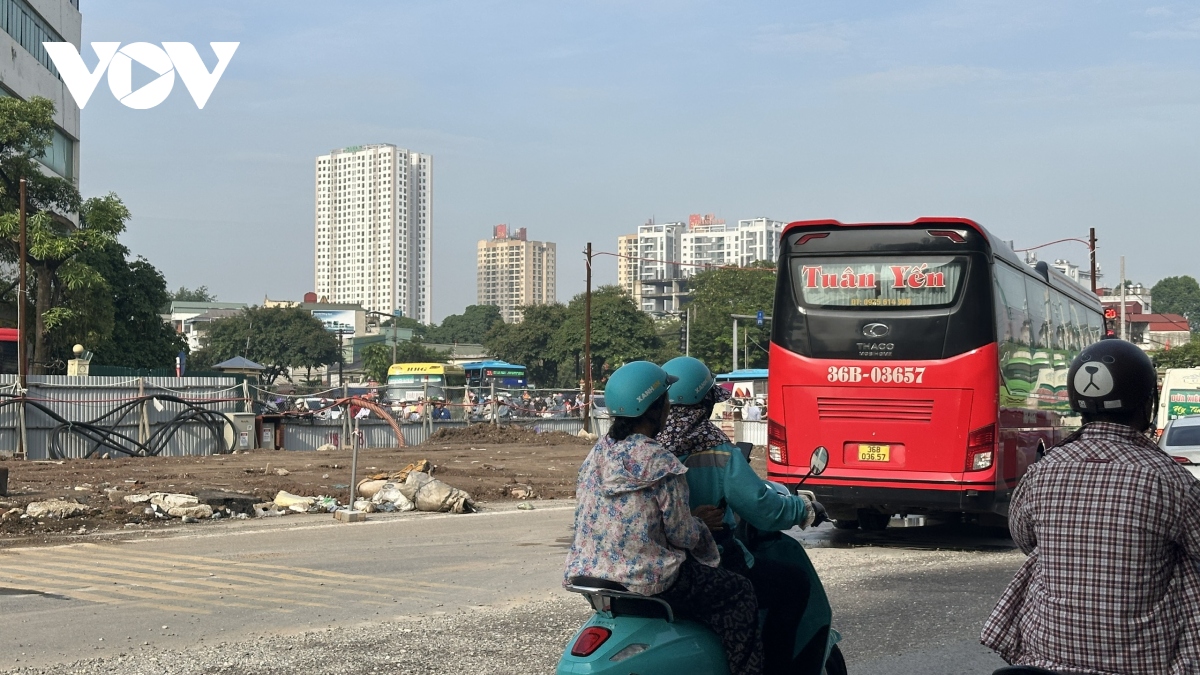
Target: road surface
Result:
[[435, 593]]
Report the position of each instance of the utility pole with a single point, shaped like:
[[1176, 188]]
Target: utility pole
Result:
[[687, 340], [1124, 332], [587, 345], [735, 345], [22, 294], [1092, 248]]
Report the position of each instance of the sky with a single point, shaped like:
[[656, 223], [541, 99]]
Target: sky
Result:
[[582, 120]]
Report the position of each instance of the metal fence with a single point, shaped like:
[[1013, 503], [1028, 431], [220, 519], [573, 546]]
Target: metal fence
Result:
[[90, 399]]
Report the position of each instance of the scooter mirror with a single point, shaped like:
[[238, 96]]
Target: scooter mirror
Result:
[[818, 461]]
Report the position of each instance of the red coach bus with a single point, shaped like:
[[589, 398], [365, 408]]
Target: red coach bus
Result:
[[926, 357]]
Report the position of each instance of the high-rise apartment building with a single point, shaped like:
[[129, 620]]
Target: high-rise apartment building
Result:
[[658, 248], [758, 239], [627, 265], [29, 72], [707, 241], [512, 272], [374, 223]]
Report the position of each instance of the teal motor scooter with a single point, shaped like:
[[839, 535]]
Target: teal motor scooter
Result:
[[632, 633]]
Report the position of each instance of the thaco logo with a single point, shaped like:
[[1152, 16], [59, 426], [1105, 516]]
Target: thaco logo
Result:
[[167, 60]]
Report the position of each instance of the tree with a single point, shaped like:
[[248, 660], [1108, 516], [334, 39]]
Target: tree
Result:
[[529, 342], [716, 294], [1183, 356], [468, 327], [198, 294], [377, 358], [620, 333], [131, 296], [279, 338], [408, 322], [1178, 295], [415, 352]]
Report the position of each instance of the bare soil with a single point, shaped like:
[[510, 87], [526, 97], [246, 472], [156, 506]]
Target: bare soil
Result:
[[491, 464]]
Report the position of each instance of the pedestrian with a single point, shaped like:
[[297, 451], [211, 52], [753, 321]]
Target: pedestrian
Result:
[[752, 413], [1111, 527]]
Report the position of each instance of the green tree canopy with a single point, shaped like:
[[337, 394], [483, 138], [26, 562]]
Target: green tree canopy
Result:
[[530, 343], [1183, 356], [415, 326], [198, 294], [716, 294], [468, 327], [620, 333], [1178, 295], [278, 338]]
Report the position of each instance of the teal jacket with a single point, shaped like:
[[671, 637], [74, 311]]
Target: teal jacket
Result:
[[722, 473]]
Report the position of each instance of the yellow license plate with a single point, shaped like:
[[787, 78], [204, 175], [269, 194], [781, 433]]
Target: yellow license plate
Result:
[[874, 453]]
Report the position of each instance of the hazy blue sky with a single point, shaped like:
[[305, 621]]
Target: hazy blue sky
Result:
[[580, 120]]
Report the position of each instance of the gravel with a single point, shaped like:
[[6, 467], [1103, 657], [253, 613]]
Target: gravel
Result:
[[526, 638]]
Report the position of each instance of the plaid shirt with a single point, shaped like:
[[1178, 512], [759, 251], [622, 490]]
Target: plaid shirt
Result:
[[1111, 526]]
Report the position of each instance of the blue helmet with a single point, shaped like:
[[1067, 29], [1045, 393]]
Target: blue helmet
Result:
[[635, 386], [695, 379]]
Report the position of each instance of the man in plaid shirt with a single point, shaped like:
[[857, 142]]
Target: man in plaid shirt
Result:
[[1111, 525]]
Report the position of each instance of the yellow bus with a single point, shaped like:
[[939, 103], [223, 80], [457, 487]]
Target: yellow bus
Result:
[[412, 381]]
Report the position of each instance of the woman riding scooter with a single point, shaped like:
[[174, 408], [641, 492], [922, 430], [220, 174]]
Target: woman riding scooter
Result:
[[633, 525], [718, 474]]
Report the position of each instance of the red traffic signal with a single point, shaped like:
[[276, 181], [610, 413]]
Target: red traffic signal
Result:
[[1110, 313]]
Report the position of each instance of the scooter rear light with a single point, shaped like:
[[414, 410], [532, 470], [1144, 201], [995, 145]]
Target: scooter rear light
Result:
[[776, 442], [632, 650], [981, 448], [590, 640]]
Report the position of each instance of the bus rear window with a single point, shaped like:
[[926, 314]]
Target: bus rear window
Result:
[[887, 282]]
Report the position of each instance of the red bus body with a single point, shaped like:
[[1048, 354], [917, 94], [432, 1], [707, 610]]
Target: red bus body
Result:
[[937, 418]]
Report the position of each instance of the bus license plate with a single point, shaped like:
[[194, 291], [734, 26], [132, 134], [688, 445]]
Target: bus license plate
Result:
[[874, 453]]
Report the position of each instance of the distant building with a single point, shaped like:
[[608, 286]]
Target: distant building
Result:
[[512, 272], [27, 71], [191, 319], [659, 250], [758, 239], [1147, 330], [374, 223], [627, 266]]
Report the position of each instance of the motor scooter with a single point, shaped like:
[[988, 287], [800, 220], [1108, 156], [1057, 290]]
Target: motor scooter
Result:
[[632, 633]]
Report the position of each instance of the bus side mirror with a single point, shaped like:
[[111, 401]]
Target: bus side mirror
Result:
[[818, 461]]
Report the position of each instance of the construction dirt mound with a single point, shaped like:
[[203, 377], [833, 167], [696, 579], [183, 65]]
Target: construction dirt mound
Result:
[[497, 434]]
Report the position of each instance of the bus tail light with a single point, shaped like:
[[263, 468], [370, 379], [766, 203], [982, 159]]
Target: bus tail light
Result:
[[776, 442], [981, 448]]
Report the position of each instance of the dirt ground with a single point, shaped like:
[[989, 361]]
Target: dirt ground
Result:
[[488, 462]]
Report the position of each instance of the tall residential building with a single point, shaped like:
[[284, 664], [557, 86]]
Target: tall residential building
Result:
[[758, 239], [374, 225], [26, 70], [658, 248], [512, 272], [627, 265], [707, 241]]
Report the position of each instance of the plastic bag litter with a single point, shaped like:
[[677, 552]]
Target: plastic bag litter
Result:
[[431, 494], [364, 506], [287, 500], [323, 505], [367, 488], [392, 494]]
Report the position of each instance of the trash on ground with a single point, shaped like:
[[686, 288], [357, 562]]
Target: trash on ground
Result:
[[392, 495], [57, 509], [525, 506], [287, 500], [431, 494]]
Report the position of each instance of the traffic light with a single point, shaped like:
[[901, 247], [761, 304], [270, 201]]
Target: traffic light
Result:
[[1110, 322], [683, 337]]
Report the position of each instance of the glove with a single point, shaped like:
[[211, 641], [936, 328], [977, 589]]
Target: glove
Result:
[[820, 515]]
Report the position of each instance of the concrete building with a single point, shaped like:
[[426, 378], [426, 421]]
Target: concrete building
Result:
[[191, 319], [26, 70], [659, 249], [708, 242], [374, 223], [758, 239], [628, 269], [512, 272]]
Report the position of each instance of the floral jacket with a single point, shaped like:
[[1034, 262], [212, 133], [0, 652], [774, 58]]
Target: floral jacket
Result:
[[633, 524]]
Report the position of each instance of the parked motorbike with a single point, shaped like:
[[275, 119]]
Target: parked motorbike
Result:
[[632, 633]]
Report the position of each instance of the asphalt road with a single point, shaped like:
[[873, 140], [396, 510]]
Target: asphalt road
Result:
[[436, 593]]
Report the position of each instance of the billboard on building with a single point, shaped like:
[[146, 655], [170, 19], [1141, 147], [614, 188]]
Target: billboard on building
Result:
[[336, 320]]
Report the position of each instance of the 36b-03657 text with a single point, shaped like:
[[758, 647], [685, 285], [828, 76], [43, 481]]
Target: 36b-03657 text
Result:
[[878, 374]]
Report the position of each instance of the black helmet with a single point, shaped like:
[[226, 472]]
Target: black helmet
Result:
[[1111, 377]]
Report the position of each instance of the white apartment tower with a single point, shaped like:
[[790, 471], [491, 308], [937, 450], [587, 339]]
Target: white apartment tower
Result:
[[512, 272], [658, 248], [628, 268], [758, 239], [374, 229]]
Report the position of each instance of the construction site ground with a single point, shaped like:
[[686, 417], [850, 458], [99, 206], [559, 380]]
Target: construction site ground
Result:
[[491, 463]]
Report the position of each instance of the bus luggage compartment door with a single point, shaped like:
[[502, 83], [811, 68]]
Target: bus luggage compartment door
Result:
[[904, 433]]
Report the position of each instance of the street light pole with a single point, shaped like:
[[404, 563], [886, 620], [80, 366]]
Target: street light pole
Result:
[[587, 345], [22, 291], [1092, 249]]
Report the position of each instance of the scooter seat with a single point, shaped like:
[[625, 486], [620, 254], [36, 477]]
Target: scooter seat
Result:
[[593, 582]]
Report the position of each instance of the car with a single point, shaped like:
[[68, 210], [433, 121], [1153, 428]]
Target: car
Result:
[[1181, 440], [598, 407]]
